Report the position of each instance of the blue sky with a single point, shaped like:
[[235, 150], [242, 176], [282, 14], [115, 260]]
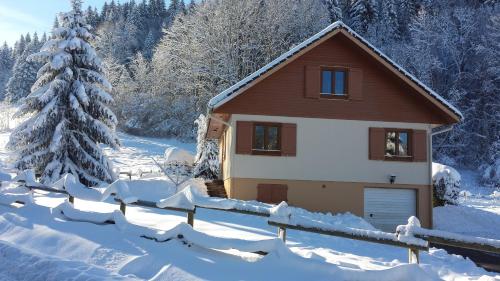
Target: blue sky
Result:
[[22, 16]]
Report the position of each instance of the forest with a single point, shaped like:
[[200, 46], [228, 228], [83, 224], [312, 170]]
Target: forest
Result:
[[166, 60]]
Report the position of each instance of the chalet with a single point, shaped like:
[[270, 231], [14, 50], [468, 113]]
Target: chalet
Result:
[[332, 125]]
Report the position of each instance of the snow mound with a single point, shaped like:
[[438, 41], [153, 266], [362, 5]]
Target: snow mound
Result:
[[151, 188], [180, 231], [24, 264], [281, 213], [71, 184], [440, 171], [175, 154], [446, 182], [181, 200], [405, 232], [28, 176], [191, 196], [13, 193]]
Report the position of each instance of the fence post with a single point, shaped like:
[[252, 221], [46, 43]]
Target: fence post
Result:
[[71, 199], [190, 218], [122, 207], [413, 256], [282, 233]]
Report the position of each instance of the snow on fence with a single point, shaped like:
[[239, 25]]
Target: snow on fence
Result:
[[451, 239], [410, 236]]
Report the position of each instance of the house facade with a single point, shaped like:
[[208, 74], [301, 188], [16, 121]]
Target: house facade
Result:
[[333, 125]]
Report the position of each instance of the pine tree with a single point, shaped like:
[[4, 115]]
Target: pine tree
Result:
[[69, 102], [149, 45], [19, 47], [334, 10], [356, 12], [6, 64], [23, 73], [207, 153]]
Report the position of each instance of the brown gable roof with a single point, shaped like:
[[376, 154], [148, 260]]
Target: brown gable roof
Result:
[[315, 40]]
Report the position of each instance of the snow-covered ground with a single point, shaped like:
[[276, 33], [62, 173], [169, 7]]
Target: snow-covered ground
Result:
[[136, 152], [478, 211], [38, 244]]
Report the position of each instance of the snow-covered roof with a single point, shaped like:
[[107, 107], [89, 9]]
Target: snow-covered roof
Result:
[[232, 91]]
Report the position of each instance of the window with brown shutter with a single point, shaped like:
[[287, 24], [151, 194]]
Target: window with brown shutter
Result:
[[265, 138], [398, 144]]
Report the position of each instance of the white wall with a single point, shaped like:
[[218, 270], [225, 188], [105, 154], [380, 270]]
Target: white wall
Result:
[[327, 150]]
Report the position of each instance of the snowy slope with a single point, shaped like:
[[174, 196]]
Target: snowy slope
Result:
[[136, 152], [478, 211]]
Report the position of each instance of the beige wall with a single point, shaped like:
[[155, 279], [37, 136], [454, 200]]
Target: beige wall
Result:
[[328, 196], [327, 150]]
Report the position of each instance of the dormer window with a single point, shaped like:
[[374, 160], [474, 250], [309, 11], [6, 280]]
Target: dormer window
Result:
[[333, 83]]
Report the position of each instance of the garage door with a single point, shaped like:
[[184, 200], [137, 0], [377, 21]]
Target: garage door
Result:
[[386, 208]]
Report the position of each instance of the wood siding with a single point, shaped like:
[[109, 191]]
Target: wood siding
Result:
[[376, 95]]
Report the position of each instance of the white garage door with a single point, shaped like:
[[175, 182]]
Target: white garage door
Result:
[[386, 208]]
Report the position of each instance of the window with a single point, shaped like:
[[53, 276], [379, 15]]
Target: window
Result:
[[266, 139], [333, 83], [397, 144]]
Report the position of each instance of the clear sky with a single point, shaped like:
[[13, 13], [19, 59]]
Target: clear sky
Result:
[[22, 16]]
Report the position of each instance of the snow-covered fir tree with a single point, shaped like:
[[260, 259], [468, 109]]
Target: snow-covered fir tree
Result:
[[6, 63], [23, 73], [69, 106], [207, 153]]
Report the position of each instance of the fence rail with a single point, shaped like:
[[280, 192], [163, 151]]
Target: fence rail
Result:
[[413, 248], [351, 235], [459, 244]]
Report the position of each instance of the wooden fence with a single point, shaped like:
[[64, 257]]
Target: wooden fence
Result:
[[129, 174], [367, 236]]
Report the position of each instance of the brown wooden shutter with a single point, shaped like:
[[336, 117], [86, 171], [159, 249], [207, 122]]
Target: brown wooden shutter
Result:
[[377, 144], [288, 139], [272, 193], [279, 193], [312, 85], [419, 145], [355, 86], [244, 135], [263, 193]]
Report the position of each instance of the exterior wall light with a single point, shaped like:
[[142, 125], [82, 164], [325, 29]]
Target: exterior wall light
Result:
[[392, 178]]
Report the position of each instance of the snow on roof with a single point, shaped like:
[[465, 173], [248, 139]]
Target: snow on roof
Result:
[[228, 94]]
